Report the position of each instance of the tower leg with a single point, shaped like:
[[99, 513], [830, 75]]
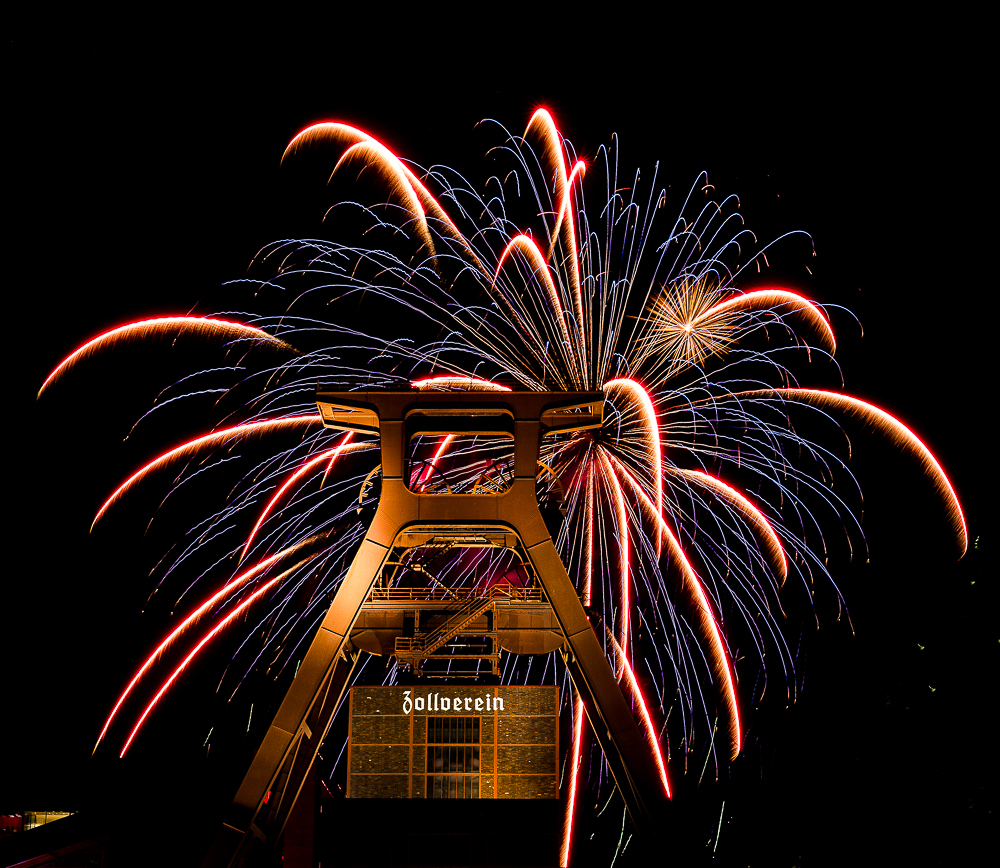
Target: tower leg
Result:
[[611, 719], [264, 799]]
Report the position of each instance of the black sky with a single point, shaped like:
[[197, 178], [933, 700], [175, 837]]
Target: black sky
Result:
[[145, 174]]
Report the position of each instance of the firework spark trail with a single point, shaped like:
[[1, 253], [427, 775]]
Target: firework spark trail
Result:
[[432, 465], [618, 498], [372, 153], [709, 625], [654, 457], [769, 299], [540, 271], [333, 458], [740, 578], [218, 524], [205, 640], [470, 384], [896, 430], [782, 399], [567, 837], [746, 508], [647, 722], [564, 227], [343, 134], [191, 619], [193, 447], [144, 330], [330, 454], [298, 614], [588, 568]]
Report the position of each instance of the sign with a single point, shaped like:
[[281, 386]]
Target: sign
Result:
[[438, 702]]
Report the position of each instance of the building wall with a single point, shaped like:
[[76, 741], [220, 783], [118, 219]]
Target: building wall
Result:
[[516, 733]]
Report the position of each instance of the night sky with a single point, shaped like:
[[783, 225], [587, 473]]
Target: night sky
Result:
[[146, 175]]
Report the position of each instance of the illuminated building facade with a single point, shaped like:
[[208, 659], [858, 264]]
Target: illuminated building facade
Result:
[[453, 742]]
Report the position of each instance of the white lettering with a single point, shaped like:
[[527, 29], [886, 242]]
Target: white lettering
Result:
[[433, 702]]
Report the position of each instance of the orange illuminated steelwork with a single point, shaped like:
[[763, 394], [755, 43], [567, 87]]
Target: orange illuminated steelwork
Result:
[[409, 517]]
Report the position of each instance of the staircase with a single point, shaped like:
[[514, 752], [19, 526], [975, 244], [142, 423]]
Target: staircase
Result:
[[424, 646]]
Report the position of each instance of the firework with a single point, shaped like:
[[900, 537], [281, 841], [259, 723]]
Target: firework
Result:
[[703, 495]]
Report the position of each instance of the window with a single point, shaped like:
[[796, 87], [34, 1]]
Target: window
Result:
[[453, 757]]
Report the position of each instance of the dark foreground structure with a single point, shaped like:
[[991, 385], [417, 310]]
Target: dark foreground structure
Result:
[[427, 833], [321, 831]]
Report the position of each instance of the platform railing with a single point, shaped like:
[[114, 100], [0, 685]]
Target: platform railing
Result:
[[499, 593]]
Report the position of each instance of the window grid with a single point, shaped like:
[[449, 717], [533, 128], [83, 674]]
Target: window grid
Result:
[[453, 746]]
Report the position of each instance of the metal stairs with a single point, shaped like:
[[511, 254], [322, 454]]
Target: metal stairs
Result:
[[424, 646]]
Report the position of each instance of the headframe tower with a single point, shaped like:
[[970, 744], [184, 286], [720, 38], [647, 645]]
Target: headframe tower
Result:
[[407, 517]]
